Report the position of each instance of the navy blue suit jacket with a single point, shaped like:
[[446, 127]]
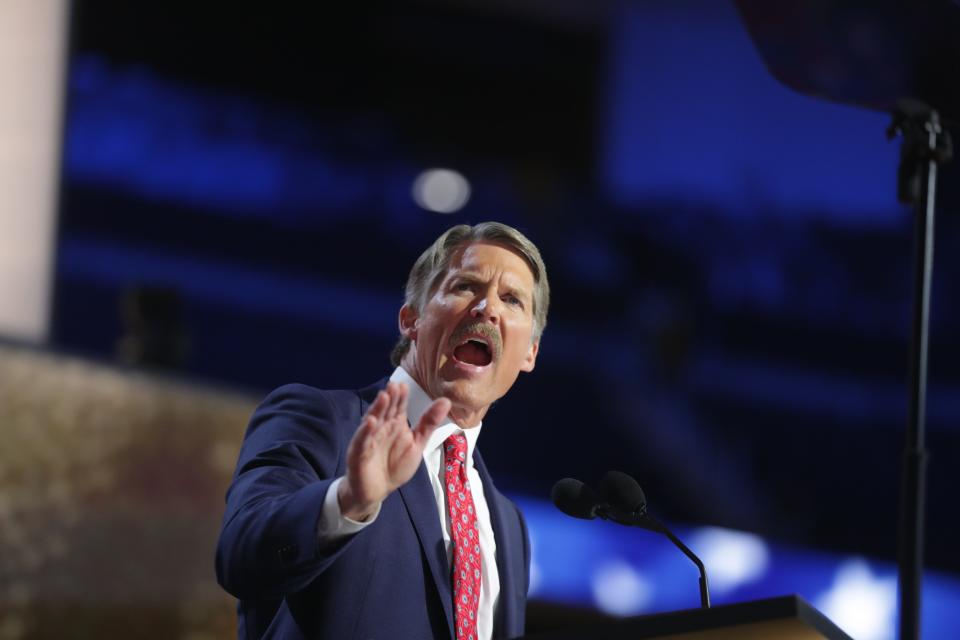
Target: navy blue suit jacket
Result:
[[390, 580]]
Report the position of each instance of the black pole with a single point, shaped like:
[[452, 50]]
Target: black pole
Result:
[[924, 146], [649, 522]]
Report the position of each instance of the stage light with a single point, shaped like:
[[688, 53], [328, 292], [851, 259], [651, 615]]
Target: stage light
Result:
[[732, 558], [441, 190], [619, 589], [861, 603]]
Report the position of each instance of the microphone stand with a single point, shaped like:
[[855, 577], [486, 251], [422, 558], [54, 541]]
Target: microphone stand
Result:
[[644, 520], [925, 146], [704, 590]]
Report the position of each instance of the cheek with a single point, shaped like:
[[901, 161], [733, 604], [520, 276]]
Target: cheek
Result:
[[440, 307], [445, 313], [431, 330], [520, 344]]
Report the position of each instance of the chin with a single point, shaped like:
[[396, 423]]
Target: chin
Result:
[[470, 395]]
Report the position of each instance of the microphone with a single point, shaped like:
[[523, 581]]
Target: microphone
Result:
[[578, 499], [627, 504], [575, 498], [621, 500]]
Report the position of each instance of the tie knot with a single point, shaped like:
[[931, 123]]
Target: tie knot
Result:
[[455, 449]]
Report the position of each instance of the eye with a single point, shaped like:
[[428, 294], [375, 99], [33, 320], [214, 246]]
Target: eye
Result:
[[513, 300], [463, 285]]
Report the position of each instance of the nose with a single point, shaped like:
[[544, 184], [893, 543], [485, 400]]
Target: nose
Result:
[[487, 308]]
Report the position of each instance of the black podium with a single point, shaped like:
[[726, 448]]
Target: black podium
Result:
[[783, 618]]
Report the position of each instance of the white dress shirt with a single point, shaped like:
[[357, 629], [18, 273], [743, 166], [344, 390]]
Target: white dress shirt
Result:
[[333, 524]]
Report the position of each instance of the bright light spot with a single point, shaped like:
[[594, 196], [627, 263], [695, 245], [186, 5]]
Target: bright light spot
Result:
[[536, 573], [861, 604], [536, 579], [441, 190], [620, 590], [732, 558]]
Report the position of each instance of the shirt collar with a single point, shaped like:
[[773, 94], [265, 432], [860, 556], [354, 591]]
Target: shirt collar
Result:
[[418, 402]]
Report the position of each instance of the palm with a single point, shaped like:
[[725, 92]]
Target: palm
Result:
[[385, 453]]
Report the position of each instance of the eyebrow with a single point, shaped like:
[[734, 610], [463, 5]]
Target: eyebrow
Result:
[[472, 275]]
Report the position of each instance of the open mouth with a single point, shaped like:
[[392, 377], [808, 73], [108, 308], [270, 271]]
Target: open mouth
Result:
[[473, 351]]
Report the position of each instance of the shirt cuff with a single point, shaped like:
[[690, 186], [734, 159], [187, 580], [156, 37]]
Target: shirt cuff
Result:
[[333, 524]]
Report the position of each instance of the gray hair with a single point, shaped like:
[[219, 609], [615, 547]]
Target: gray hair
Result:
[[429, 269]]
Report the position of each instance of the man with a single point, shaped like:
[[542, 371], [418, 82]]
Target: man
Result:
[[370, 514]]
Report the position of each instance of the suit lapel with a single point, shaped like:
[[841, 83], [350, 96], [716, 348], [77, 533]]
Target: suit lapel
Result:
[[421, 504], [505, 614]]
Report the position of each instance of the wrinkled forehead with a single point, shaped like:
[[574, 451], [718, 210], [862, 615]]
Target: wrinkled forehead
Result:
[[483, 257]]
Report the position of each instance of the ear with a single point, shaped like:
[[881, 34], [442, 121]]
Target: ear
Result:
[[530, 359], [408, 320]]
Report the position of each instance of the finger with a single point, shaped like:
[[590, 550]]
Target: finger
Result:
[[402, 409], [432, 418], [375, 423], [378, 406], [379, 431], [368, 425], [355, 450], [398, 421], [399, 416], [395, 391]]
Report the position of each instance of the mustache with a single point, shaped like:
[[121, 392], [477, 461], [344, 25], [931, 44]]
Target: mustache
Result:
[[482, 329]]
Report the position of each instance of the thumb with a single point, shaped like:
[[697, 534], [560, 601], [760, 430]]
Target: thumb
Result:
[[432, 418]]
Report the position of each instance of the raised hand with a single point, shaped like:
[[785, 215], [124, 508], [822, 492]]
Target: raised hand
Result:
[[385, 452]]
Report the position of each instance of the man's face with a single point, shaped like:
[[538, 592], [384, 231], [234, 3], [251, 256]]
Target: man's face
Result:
[[475, 333]]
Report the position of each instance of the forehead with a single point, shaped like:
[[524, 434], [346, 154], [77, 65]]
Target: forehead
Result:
[[491, 258]]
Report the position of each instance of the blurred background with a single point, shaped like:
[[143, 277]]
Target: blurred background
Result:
[[205, 201]]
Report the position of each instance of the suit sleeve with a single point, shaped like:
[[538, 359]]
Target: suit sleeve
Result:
[[292, 452]]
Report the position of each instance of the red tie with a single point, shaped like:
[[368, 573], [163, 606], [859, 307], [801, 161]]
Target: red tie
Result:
[[466, 537]]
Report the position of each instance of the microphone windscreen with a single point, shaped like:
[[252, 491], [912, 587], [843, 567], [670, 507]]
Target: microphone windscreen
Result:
[[623, 493], [575, 498]]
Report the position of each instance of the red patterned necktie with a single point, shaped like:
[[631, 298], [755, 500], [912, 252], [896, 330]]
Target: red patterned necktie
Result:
[[466, 537]]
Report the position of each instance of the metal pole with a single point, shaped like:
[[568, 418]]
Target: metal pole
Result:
[[922, 150]]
